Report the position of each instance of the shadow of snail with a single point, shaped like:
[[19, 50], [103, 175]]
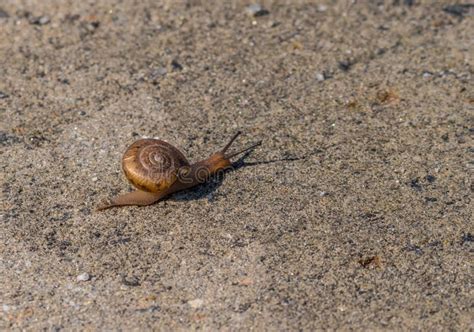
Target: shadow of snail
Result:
[[158, 169]]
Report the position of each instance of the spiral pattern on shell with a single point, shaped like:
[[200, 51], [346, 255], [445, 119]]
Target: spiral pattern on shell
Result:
[[152, 165]]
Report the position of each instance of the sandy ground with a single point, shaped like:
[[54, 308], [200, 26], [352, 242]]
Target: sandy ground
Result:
[[355, 212]]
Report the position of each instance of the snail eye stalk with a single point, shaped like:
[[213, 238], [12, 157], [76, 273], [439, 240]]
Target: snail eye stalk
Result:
[[228, 156], [237, 134], [253, 146]]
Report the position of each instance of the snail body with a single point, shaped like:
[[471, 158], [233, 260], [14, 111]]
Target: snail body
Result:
[[157, 169]]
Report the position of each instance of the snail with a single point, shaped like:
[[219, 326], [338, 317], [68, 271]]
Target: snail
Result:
[[157, 169]]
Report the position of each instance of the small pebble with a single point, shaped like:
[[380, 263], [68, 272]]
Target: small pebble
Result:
[[427, 74], [430, 178], [162, 71], [272, 24], [460, 10], [92, 26], [196, 303], [44, 20], [88, 28], [320, 77], [176, 65], [83, 277], [345, 65], [40, 20], [3, 95], [256, 10], [322, 8], [130, 281]]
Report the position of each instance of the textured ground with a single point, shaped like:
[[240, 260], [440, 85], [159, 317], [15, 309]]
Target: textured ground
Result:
[[356, 212]]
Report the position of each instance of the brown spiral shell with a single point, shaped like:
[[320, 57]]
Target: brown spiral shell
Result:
[[152, 165]]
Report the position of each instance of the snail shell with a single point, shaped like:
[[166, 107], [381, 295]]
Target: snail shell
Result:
[[152, 165]]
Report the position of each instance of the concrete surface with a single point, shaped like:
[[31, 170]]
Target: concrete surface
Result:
[[355, 213]]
